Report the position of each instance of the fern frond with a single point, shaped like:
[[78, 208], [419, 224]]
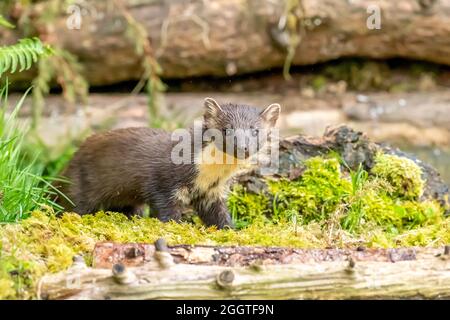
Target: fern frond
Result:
[[22, 55]]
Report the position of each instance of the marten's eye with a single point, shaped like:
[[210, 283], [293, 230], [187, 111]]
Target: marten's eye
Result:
[[228, 131], [255, 132]]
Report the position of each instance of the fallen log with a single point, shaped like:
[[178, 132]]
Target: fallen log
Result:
[[145, 271], [229, 37]]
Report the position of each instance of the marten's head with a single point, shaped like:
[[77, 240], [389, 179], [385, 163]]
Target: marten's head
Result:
[[237, 129]]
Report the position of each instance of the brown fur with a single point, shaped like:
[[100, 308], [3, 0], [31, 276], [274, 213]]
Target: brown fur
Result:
[[124, 169]]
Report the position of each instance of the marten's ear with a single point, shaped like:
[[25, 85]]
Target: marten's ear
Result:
[[271, 114], [212, 108]]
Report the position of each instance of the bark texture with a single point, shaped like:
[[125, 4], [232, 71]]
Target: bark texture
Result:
[[188, 272], [228, 37]]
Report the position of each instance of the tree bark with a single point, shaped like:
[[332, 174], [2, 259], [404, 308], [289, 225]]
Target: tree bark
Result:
[[228, 37], [139, 271]]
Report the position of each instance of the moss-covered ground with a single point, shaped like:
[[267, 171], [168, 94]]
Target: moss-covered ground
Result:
[[328, 206]]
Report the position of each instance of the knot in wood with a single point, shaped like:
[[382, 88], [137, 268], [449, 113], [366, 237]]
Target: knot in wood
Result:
[[164, 259], [257, 266], [78, 262], [133, 253], [122, 275], [225, 278], [118, 269], [351, 265], [78, 259], [161, 245]]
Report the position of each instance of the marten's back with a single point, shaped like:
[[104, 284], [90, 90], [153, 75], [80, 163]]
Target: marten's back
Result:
[[112, 168]]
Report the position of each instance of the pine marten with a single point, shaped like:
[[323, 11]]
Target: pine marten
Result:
[[122, 170]]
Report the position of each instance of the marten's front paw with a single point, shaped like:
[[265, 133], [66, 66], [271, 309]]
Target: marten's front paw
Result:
[[226, 224], [230, 226]]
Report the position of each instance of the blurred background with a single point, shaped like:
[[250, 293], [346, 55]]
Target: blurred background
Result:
[[383, 67]]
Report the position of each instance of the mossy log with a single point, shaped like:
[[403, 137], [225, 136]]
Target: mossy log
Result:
[[228, 37], [355, 148], [144, 271]]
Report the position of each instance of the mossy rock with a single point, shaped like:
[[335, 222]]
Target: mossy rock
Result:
[[355, 149], [328, 190]]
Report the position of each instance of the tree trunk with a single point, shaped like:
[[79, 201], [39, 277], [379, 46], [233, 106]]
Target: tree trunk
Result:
[[228, 37], [143, 271]]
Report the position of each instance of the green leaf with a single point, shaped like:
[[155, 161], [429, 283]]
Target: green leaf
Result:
[[5, 23], [14, 55], [22, 61], [21, 55]]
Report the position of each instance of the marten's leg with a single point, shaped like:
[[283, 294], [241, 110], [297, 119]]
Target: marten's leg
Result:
[[168, 213], [165, 209], [163, 206], [85, 207], [213, 212], [129, 211]]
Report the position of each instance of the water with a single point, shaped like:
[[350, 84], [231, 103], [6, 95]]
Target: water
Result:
[[437, 157]]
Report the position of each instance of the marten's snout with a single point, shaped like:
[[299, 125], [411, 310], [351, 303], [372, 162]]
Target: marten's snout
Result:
[[244, 146], [241, 152]]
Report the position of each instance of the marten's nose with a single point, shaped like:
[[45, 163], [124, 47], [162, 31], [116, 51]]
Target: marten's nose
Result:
[[241, 146], [241, 151]]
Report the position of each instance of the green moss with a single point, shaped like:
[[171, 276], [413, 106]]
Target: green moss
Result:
[[394, 215], [319, 82], [430, 235], [7, 285], [359, 75], [402, 173], [355, 202], [248, 208], [317, 194]]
